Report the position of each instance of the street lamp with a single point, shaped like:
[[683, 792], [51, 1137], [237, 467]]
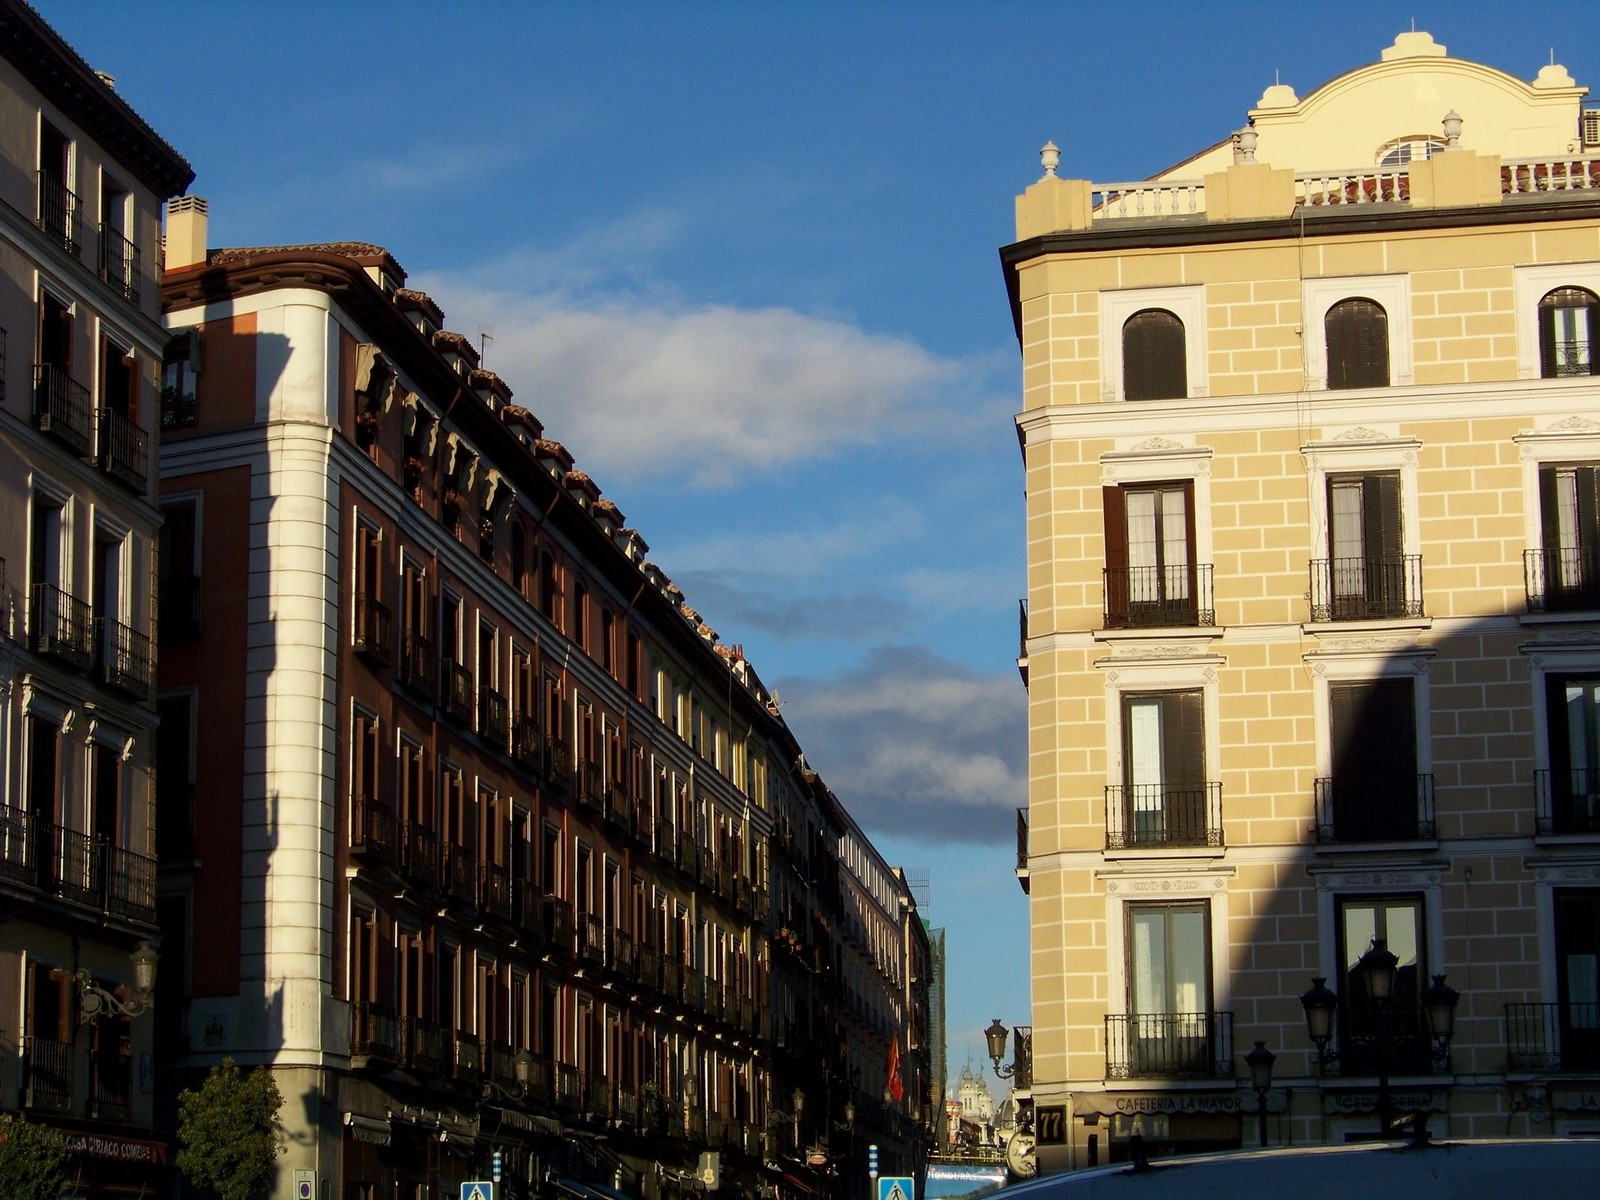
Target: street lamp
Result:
[[1379, 970], [1260, 1062], [797, 1104], [521, 1072], [995, 1035], [95, 1001]]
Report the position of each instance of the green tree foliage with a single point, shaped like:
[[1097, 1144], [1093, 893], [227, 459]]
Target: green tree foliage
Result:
[[33, 1160], [228, 1131]]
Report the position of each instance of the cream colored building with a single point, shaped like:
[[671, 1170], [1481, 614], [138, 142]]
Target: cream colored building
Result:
[[1311, 434]]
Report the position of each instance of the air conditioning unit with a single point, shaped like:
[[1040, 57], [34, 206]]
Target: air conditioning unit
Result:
[[1591, 128]]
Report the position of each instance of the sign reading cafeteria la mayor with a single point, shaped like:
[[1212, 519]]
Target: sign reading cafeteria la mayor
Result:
[[1154, 1102]]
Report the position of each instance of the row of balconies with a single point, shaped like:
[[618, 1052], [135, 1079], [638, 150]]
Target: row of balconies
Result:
[[381, 1038], [60, 216], [1555, 580], [1369, 809], [62, 410], [1539, 1038], [52, 860], [64, 628]]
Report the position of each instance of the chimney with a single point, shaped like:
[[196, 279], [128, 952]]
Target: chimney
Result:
[[186, 232]]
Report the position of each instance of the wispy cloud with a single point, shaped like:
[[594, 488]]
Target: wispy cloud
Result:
[[713, 393], [918, 744]]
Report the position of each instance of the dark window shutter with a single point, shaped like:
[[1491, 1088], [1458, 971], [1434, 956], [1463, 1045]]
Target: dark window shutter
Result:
[[1374, 732], [1549, 366], [1116, 519], [1154, 359], [1380, 504], [1183, 751], [1356, 333]]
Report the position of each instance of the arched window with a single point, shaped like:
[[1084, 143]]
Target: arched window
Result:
[[1567, 320], [1154, 360], [1357, 335]]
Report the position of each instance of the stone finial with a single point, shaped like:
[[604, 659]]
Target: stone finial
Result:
[[1246, 141], [1451, 124], [1050, 159]]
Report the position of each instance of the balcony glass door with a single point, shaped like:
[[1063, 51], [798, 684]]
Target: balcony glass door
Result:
[[1169, 992], [1578, 976]]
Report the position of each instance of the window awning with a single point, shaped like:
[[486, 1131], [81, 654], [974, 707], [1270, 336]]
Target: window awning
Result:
[[367, 1129]]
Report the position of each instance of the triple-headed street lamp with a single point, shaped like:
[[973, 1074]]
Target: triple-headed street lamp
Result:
[[1379, 969]]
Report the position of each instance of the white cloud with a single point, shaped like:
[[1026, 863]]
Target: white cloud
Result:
[[918, 744], [714, 393]]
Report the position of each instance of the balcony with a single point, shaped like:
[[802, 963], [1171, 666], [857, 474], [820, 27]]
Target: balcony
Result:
[[558, 765], [1567, 802], [527, 745], [671, 977], [425, 1047], [541, 1080], [455, 691], [61, 626], [1375, 809], [466, 1063], [1363, 1048], [419, 664], [597, 1103], [619, 808], [374, 1034], [179, 599], [123, 450], [1158, 597], [460, 874], [372, 634], [46, 1074], [1561, 579], [1366, 589], [61, 407], [494, 891], [371, 829], [569, 1087], [1170, 1046], [591, 939], [620, 953], [59, 212], [1553, 1037], [419, 853], [589, 783], [89, 871], [557, 925], [1022, 849], [111, 1086], [493, 717], [119, 263], [528, 910], [124, 661], [1152, 816], [649, 959]]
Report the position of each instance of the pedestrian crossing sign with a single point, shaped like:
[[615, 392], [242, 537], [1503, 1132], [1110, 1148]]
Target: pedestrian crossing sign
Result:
[[897, 1187], [479, 1189]]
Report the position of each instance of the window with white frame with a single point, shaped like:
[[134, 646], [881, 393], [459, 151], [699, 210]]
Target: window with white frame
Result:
[[1558, 310], [1153, 343], [1365, 525], [1357, 331]]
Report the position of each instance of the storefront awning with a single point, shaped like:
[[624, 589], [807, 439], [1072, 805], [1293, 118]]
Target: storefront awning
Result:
[[590, 1191], [373, 1130]]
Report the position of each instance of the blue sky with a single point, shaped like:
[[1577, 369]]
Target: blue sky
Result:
[[741, 260]]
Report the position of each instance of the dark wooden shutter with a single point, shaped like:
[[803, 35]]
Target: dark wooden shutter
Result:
[[1154, 360], [1380, 517], [1356, 333], [1116, 585], [1183, 734]]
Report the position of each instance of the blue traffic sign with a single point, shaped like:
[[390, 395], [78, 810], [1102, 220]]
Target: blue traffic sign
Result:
[[897, 1187], [479, 1189]]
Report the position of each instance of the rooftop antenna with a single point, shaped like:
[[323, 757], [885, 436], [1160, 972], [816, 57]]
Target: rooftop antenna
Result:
[[485, 336]]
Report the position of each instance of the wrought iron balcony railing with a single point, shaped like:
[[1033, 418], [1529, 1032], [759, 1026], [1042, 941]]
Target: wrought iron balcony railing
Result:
[[494, 891], [1567, 801], [1366, 589], [1375, 808], [372, 632], [455, 690], [91, 871], [61, 626], [61, 407], [124, 658], [374, 1031], [1155, 815], [1561, 579], [46, 1073], [527, 744], [119, 263], [1150, 597], [59, 212], [419, 664], [1553, 1037], [122, 449], [460, 873], [419, 853], [493, 717], [1197, 1045], [425, 1046], [372, 828]]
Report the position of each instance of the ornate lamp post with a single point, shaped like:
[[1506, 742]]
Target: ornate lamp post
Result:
[[94, 1001], [995, 1035]]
